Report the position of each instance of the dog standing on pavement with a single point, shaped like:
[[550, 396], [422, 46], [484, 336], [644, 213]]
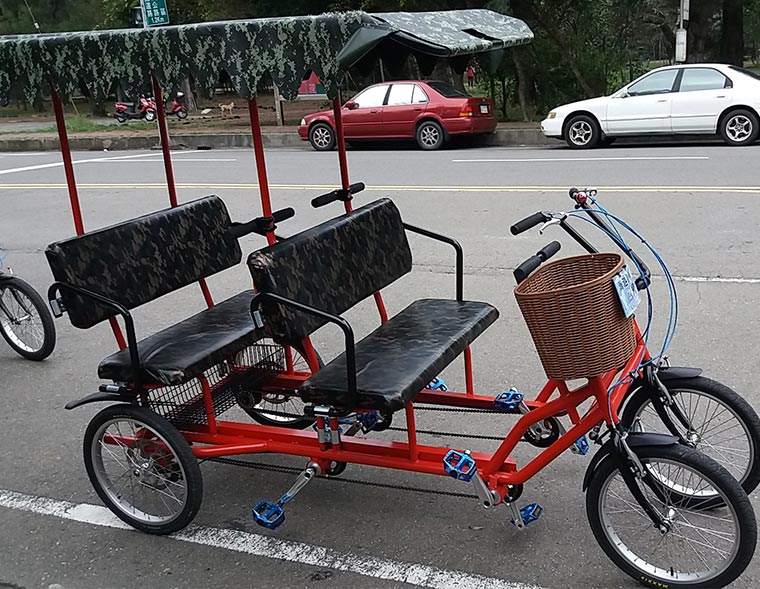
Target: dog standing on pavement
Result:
[[227, 108]]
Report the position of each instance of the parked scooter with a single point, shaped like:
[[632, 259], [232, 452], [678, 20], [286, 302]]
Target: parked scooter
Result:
[[144, 109], [177, 108]]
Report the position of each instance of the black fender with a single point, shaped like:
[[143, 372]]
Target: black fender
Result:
[[101, 396], [668, 374], [634, 440]]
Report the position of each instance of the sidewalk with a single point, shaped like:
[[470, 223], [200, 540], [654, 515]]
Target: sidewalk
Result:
[[507, 134]]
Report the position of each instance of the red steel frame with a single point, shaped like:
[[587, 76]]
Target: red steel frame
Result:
[[223, 438]]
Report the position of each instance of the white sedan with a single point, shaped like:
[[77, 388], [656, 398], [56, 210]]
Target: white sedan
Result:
[[697, 98]]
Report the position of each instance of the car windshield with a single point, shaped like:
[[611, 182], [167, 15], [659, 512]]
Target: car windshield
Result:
[[749, 73], [447, 90]]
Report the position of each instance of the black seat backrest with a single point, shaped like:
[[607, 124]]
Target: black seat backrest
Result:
[[142, 259], [331, 267]]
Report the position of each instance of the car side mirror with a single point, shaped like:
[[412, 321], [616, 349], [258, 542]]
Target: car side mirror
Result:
[[624, 94], [350, 105]]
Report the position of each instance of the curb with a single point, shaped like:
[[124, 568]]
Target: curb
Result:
[[501, 137]]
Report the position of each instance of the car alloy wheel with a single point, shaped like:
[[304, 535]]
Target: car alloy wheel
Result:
[[581, 133], [322, 137], [429, 135], [739, 128]]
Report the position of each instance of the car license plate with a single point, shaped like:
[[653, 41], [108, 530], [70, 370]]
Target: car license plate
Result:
[[484, 109], [627, 291]]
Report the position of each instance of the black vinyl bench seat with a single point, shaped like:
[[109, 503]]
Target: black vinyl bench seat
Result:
[[335, 265], [397, 360], [183, 351], [140, 260]]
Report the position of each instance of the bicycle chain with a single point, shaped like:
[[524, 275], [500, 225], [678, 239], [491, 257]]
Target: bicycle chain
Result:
[[423, 431], [295, 470]]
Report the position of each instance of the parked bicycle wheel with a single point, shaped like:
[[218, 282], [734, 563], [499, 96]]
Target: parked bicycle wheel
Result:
[[25, 322], [715, 419], [698, 549], [143, 469], [280, 408]]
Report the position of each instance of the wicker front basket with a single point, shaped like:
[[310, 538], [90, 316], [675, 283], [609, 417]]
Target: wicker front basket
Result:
[[574, 314]]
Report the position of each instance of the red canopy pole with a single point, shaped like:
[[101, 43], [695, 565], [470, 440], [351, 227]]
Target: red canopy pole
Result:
[[345, 183], [261, 166], [76, 211], [68, 167], [163, 131]]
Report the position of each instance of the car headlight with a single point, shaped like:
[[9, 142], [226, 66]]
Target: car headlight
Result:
[[303, 122], [551, 115]]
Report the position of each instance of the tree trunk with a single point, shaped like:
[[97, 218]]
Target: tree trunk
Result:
[[732, 33], [523, 84], [189, 100], [698, 31]]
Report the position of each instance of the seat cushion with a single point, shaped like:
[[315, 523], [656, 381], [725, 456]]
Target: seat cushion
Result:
[[397, 360], [185, 350]]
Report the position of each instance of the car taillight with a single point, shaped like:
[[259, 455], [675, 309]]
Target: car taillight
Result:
[[466, 111]]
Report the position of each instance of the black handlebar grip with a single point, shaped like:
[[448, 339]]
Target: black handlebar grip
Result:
[[238, 230], [356, 187], [283, 214], [528, 223], [325, 199], [548, 250], [524, 269]]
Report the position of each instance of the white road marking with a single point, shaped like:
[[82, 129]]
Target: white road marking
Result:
[[717, 279], [585, 159], [419, 575], [76, 162]]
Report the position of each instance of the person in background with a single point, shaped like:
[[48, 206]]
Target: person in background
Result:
[[470, 76]]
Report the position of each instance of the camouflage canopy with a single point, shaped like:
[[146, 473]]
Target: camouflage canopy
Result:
[[284, 48]]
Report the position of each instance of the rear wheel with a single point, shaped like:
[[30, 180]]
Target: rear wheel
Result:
[[430, 135], [739, 127], [280, 408], [582, 132], [150, 115], [25, 322], [322, 137], [182, 114], [120, 118], [143, 469], [699, 549]]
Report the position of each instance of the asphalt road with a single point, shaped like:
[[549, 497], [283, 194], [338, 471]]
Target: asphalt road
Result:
[[698, 205]]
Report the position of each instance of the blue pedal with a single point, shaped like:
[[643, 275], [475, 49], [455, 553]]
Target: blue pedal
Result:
[[268, 515], [368, 420], [531, 513], [581, 446], [459, 465], [508, 400], [437, 384]]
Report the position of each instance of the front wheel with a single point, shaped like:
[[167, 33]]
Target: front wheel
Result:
[[182, 114], [713, 418], [25, 322], [430, 135], [150, 115], [739, 127], [322, 137], [698, 549], [143, 469], [582, 132]]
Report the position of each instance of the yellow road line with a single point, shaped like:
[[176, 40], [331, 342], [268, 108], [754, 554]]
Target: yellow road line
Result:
[[405, 188]]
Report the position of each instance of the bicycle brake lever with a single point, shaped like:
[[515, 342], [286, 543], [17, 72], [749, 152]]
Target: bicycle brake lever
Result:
[[547, 224]]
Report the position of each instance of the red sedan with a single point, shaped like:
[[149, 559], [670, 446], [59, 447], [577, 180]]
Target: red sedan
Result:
[[429, 112]]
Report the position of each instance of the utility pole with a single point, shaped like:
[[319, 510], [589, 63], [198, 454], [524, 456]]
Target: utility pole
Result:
[[683, 23]]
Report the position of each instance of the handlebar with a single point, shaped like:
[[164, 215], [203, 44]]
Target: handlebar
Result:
[[261, 225], [529, 222], [546, 252], [344, 194], [581, 198]]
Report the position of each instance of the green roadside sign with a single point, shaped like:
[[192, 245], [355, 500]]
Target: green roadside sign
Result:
[[156, 13]]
